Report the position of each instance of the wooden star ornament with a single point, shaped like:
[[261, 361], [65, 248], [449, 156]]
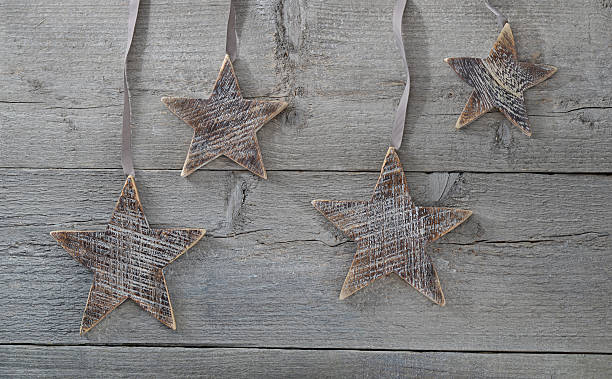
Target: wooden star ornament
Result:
[[391, 233], [499, 81], [127, 260], [224, 124]]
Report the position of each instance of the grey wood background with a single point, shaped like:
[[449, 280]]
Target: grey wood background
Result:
[[527, 278]]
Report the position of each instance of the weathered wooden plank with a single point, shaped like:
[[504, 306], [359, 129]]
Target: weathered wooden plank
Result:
[[142, 362], [529, 271], [335, 62]]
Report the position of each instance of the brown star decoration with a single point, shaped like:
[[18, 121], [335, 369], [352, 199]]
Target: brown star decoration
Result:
[[127, 260], [224, 124], [499, 82], [391, 233]]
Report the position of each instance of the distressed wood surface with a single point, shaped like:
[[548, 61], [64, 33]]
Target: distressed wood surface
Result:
[[334, 61], [127, 260], [527, 274], [499, 81], [391, 233], [143, 362], [523, 273], [224, 124]]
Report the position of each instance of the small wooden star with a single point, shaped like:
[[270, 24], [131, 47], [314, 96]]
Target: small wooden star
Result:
[[127, 260], [224, 124], [499, 82], [391, 233]]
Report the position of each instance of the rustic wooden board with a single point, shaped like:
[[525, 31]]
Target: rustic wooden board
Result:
[[335, 61], [143, 362], [527, 272]]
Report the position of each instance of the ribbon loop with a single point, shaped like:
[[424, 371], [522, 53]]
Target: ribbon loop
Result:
[[501, 19], [231, 39], [126, 132], [400, 114]]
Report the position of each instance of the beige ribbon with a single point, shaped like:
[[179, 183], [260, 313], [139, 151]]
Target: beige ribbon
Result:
[[501, 19], [231, 40], [126, 132], [400, 113]]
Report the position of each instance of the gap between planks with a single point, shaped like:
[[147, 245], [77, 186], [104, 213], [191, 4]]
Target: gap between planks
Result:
[[535, 172], [297, 348]]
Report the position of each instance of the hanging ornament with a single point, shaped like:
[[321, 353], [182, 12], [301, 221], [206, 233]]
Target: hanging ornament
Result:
[[225, 123], [127, 259], [499, 80], [391, 232]]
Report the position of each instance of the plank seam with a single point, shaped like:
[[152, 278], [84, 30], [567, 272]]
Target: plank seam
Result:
[[594, 173], [297, 348]]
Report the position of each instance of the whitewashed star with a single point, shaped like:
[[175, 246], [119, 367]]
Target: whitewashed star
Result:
[[224, 124], [391, 233], [127, 260], [499, 82]]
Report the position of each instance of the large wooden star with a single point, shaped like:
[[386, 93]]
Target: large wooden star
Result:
[[499, 81], [391, 233], [224, 124], [127, 260]]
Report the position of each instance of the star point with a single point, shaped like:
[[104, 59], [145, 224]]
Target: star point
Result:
[[224, 124], [499, 81], [127, 260], [391, 233]]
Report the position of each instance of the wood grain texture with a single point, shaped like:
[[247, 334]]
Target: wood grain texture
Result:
[[127, 260], [334, 61], [523, 273], [224, 124], [145, 362], [528, 272], [499, 81], [391, 233]]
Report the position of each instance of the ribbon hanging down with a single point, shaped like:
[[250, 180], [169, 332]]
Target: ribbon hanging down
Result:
[[400, 113], [126, 132], [501, 19], [231, 39]]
